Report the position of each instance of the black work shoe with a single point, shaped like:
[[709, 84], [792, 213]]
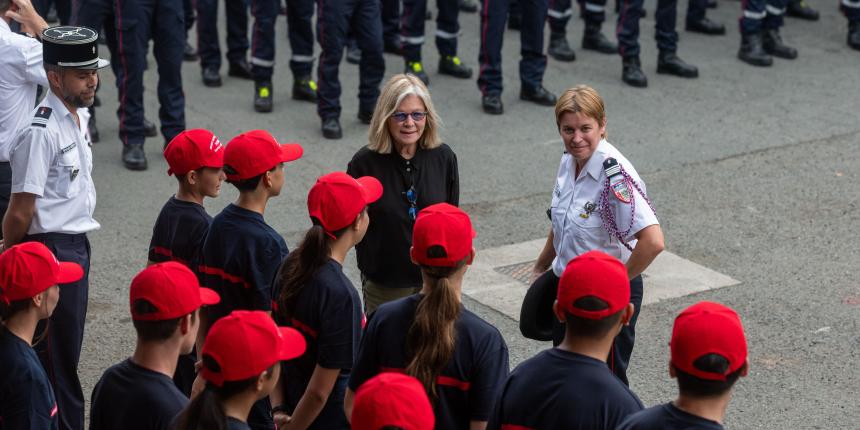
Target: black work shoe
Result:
[[240, 69], [133, 157], [417, 69], [631, 72], [752, 52], [468, 6], [705, 26], [189, 54], [304, 88], [211, 77], [331, 128], [492, 104], [772, 43], [97, 101], [538, 95], [365, 116], [515, 22], [353, 55], [854, 35], [451, 65], [799, 9], [560, 49], [263, 97], [93, 129], [669, 63], [149, 129], [594, 40]]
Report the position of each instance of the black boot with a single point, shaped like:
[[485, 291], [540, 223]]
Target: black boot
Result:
[[492, 104], [304, 88], [417, 69], [149, 129], [211, 77], [632, 73], [854, 35], [705, 26], [353, 55], [468, 6], [451, 65], [133, 157], [799, 9], [752, 52], [240, 69], [538, 96], [93, 129], [189, 54], [559, 48], [331, 128], [773, 45], [263, 96], [669, 63], [594, 40]]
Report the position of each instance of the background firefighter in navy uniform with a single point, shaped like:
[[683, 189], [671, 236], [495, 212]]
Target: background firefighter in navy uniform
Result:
[[494, 13], [590, 212], [627, 32], [208, 48], [851, 10], [53, 198], [300, 33], [593, 12], [760, 37], [447, 31], [334, 19]]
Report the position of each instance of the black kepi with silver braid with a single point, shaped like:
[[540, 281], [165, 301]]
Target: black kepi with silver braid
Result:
[[72, 47]]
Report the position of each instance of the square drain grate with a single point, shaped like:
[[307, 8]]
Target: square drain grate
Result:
[[520, 271]]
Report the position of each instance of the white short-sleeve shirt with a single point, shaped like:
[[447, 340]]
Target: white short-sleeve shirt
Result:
[[21, 71], [576, 209], [51, 158]]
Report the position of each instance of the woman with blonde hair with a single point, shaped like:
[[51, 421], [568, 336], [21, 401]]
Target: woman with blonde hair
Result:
[[598, 203], [404, 152]]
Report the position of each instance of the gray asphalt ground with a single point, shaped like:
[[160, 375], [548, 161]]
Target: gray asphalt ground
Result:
[[753, 172]]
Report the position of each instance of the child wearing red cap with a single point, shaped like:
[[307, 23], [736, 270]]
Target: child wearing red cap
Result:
[[709, 354], [29, 292], [240, 366], [241, 252], [139, 392], [196, 159], [570, 386], [392, 401], [460, 359], [314, 296]]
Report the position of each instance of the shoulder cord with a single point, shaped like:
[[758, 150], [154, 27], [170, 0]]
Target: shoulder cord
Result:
[[607, 215]]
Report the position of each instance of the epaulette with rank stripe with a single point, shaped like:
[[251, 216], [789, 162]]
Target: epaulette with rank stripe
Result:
[[42, 115]]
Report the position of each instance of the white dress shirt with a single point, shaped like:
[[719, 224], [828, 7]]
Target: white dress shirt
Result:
[[20, 72], [575, 229], [51, 158]]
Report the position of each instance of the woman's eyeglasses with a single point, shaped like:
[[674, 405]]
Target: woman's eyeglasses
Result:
[[412, 198], [416, 116]]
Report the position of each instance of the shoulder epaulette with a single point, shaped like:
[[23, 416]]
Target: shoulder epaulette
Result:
[[42, 115]]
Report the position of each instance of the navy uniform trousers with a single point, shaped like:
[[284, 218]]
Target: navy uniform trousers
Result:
[[412, 28], [593, 12], [5, 189], [627, 30], [207, 32], [63, 7], [190, 16], [622, 348], [334, 19], [301, 36], [851, 10], [265, 12], [60, 351], [494, 14], [761, 14]]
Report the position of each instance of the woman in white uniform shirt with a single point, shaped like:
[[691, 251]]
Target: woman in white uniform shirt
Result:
[[584, 209]]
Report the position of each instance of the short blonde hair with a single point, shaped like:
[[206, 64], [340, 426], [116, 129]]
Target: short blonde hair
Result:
[[580, 99], [396, 89]]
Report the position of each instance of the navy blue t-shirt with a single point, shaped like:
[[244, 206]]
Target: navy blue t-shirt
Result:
[[667, 417], [132, 397], [469, 383], [179, 232], [234, 424], [328, 313], [240, 257], [26, 398], [559, 389]]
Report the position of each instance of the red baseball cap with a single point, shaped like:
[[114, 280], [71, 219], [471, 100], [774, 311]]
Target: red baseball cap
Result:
[[172, 289], [193, 149], [337, 198], [255, 152], [392, 399], [29, 268], [442, 225], [594, 274], [245, 343], [708, 328]]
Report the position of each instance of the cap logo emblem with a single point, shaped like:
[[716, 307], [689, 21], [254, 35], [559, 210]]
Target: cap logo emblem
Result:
[[215, 144], [63, 34]]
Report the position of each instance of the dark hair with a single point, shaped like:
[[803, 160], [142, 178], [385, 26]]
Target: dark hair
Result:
[[589, 328], [5, 5], [249, 184], [432, 336], [206, 411], [154, 331], [181, 178], [694, 386], [16, 306]]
